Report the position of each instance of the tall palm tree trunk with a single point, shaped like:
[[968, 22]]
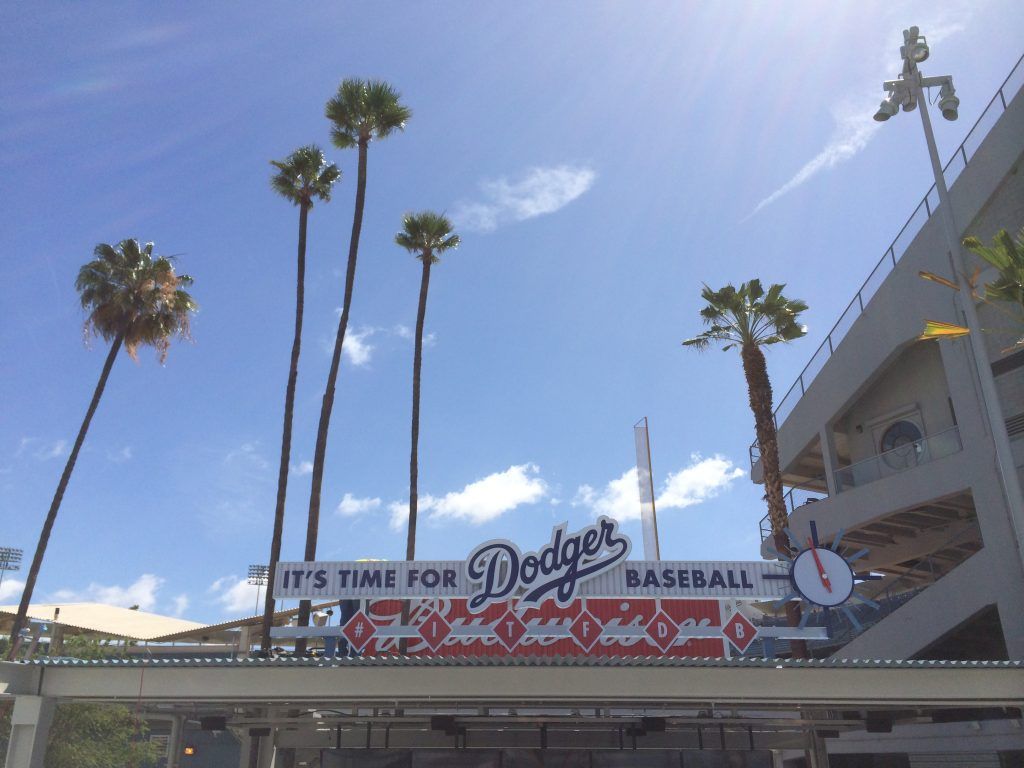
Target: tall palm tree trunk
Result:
[[759, 389], [286, 436], [313, 523], [51, 516], [417, 364]]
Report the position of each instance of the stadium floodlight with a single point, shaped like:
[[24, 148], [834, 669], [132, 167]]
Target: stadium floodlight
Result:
[[888, 108], [949, 104], [915, 46], [10, 560], [259, 575], [908, 91]]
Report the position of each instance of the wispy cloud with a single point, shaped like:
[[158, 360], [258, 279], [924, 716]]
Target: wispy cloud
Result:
[[142, 592], [43, 450], [854, 128], [350, 506], [358, 349], [480, 501], [247, 453], [701, 479], [121, 456], [539, 190]]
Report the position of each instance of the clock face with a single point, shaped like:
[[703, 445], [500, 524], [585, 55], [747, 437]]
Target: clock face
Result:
[[828, 585]]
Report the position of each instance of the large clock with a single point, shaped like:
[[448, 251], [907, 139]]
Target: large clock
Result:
[[822, 577]]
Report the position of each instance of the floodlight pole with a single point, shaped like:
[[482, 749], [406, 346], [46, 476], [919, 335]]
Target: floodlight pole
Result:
[[990, 398]]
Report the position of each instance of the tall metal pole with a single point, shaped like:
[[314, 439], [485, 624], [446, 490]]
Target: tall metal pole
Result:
[[990, 398]]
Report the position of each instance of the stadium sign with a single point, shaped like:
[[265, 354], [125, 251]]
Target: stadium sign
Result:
[[590, 562]]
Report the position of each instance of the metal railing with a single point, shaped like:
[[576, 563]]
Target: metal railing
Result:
[[899, 459], [794, 497], [894, 594], [888, 598], [898, 246]]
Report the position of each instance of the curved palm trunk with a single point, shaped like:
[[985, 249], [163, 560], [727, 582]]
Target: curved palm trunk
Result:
[[759, 389], [51, 516], [286, 436], [417, 363], [319, 457]]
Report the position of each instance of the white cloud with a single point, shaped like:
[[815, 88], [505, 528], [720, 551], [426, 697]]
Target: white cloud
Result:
[[402, 331], [854, 128], [350, 506], [180, 604], [490, 497], [538, 191], [399, 514], [357, 350], [619, 499], [302, 468], [42, 450], [235, 595], [247, 453], [480, 501], [142, 592], [700, 480], [11, 590], [121, 456]]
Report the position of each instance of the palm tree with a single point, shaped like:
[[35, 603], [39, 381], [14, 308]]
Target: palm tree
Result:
[[1007, 255], [749, 318], [301, 177], [132, 299], [426, 235], [361, 111]]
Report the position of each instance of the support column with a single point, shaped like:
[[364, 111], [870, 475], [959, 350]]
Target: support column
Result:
[[244, 641], [267, 756], [30, 729], [827, 439], [248, 751], [175, 744], [817, 754]]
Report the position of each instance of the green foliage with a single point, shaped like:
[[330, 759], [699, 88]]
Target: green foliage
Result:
[[6, 707], [748, 315], [363, 110], [304, 175], [129, 293], [91, 648], [426, 235], [91, 736], [98, 736], [1006, 254]]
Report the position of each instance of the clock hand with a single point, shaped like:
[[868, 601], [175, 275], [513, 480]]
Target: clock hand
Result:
[[821, 569]]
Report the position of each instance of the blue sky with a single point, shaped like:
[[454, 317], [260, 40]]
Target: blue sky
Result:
[[602, 160]]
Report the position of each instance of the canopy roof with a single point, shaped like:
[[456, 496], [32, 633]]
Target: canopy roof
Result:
[[106, 620], [113, 621]]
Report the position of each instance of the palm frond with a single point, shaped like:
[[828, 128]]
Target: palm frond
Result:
[[362, 110], [128, 292], [936, 329], [304, 175], [427, 235], [748, 314], [1006, 254]]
